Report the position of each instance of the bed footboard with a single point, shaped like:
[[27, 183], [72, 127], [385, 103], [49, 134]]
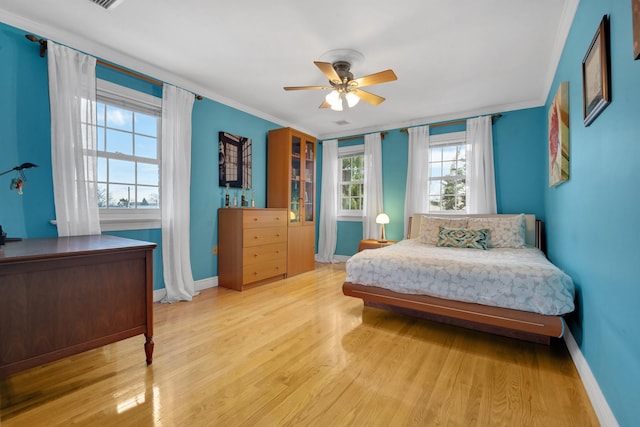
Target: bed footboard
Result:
[[502, 321]]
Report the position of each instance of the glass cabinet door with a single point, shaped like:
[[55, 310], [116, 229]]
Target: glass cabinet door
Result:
[[309, 180], [295, 210]]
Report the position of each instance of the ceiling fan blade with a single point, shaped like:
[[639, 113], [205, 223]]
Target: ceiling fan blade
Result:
[[376, 78], [327, 69], [306, 87], [325, 104], [369, 97]]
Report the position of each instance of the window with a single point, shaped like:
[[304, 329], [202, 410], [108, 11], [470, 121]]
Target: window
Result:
[[351, 182], [447, 172], [128, 131]]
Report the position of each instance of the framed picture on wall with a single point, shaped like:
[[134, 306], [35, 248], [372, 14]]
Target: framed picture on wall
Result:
[[635, 13], [596, 80], [234, 160], [559, 136]]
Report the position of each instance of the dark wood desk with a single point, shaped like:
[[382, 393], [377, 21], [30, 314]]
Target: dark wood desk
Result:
[[63, 296]]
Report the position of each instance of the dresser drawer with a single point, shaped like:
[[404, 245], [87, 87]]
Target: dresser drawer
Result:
[[263, 270], [264, 218], [264, 236], [258, 254]]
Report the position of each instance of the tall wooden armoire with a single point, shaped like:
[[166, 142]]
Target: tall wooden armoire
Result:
[[291, 184]]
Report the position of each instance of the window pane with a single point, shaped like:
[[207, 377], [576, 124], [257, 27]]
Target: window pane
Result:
[[434, 187], [147, 197], [100, 108], [122, 171], [102, 169], [146, 147], [345, 190], [119, 196], [436, 154], [449, 153], [102, 195], [346, 175], [434, 202], [435, 169], [119, 118], [119, 142], [101, 140], [146, 124], [345, 204], [448, 168], [148, 174], [346, 163]]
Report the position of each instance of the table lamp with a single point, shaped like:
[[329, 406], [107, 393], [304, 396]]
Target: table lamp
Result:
[[383, 219]]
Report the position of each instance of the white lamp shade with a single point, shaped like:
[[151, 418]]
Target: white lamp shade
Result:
[[382, 218], [352, 99]]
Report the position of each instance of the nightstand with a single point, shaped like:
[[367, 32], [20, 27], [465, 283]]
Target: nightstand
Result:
[[374, 244]]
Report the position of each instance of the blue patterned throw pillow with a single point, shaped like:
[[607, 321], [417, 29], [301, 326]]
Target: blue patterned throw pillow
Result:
[[463, 238]]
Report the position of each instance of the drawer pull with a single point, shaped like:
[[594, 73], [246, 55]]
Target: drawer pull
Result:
[[255, 218], [255, 255], [255, 273], [277, 234], [256, 237], [277, 218]]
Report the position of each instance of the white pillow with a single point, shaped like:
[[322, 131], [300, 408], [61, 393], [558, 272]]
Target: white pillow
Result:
[[506, 231], [430, 227]]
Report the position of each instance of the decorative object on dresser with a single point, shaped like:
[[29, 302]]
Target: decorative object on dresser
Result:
[[291, 185], [252, 246], [62, 296]]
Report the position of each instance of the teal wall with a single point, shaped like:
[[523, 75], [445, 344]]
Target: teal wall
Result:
[[519, 164], [25, 136], [592, 219]]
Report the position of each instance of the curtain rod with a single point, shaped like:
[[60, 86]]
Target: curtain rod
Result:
[[455, 122], [43, 49], [350, 138]]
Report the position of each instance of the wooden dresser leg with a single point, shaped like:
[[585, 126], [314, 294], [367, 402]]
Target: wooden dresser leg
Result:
[[148, 348]]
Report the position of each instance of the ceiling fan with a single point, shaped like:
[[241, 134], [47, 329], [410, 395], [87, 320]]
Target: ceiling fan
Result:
[[345, 88]]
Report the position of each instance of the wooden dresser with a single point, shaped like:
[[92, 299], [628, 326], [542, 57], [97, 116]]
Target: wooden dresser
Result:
[[62, 296], [252, 246]]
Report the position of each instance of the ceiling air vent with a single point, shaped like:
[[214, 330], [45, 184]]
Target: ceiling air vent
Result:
[[341, 122], [107, 4]]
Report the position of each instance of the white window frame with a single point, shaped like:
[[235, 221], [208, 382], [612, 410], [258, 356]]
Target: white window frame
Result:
[[131, 219], [348, 151], [443, 140]]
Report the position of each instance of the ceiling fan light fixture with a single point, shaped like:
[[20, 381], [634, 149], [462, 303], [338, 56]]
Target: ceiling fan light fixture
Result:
[[352, 99], [333, 98]]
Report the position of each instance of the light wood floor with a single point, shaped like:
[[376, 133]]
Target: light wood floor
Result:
[[298, 352]]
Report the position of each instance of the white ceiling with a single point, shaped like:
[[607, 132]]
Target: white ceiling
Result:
[[453, 59]]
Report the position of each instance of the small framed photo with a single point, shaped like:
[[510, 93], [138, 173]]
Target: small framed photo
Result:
[[596, 80]]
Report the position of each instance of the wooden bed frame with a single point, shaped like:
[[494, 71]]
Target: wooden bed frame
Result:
[[502, 321]]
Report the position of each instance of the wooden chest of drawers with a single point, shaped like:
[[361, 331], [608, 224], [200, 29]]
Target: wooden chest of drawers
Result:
[[252, 246]]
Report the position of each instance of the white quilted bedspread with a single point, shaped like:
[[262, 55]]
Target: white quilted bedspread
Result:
[[522, 279]]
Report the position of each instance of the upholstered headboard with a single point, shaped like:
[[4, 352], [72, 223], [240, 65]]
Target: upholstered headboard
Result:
[[530, 223]]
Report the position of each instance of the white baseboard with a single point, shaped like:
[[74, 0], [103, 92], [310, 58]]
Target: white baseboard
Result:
[[210, 282], [598, 401]]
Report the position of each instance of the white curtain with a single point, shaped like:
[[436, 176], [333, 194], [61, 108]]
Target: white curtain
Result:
[[416, 197], [328, 230], [72, 98], [177, 105], [481, 184], [373, 202]]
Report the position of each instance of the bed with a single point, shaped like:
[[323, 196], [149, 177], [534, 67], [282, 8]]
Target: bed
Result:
[[498, 280]]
